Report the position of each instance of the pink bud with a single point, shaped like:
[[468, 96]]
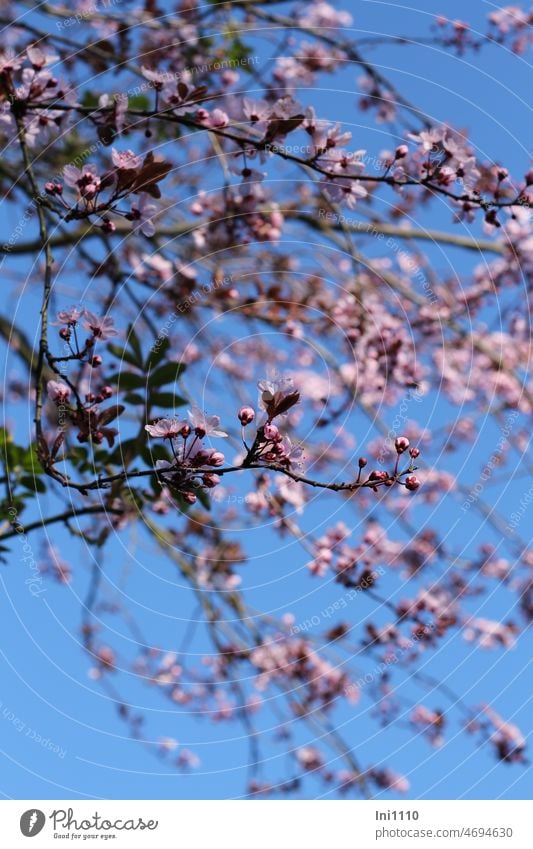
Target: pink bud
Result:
[[414, 452], [246, 415], [401, 444], [216, 459], [362, 462], [412, 483], [401, 151], [189, 497], [53, 188], [95, 361], [271, 432], [210, 480]]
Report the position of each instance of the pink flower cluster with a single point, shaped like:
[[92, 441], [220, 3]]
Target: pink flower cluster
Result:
[[294, 662], [188, 469], [97, 194]]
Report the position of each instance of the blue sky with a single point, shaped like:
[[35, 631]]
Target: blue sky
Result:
[[61, 735]]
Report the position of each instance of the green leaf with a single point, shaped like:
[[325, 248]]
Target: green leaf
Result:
[[138, 101], [124, 452], [168, 373], [203, 498], [157, 353], [127, 380], [89, 99], [123, 354], [133, 398], [110, 413], [167, 399], [33, 483], [30, 460], [135, 345]]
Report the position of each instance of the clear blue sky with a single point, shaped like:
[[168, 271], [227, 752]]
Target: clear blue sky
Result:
[[44, 672]]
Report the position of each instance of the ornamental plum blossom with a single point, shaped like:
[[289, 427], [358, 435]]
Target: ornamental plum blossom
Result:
[[357, 319], [125, 159], [58, 392], [101, 328], [204, 425], [167, 428]]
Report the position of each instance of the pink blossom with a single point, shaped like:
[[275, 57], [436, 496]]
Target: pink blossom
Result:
[[58, 392], [85, 180], [101, 328], [70, 316], [143, 211], [205, 425], [256, 111], [166, 429], [125, 159]]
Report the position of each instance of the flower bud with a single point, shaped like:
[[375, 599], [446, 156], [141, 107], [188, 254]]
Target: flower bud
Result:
[[189, 497], [362, 462], [401, 444], [216, 459], [271, 432], [414, 453], [412, 483], [401, 151], [378, 475], [210, 480], [246, 415], [95, 361], [52, 188]]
